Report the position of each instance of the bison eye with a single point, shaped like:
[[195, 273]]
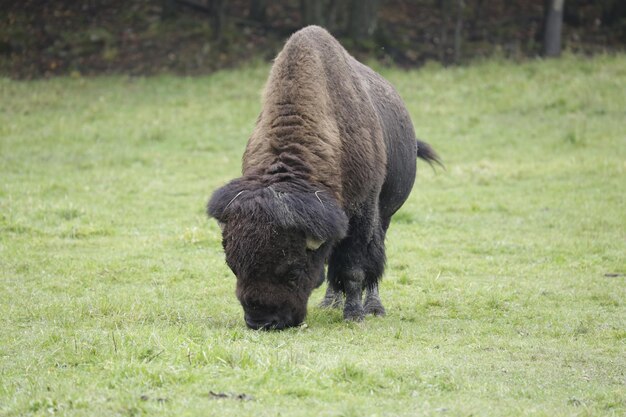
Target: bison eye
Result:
[[284, 269], [292, 281]]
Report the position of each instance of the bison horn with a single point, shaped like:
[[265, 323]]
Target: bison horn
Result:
[[221, 225], [313, 244]]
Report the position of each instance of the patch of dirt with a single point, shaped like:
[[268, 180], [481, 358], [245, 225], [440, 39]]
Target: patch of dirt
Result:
[[224, 395]]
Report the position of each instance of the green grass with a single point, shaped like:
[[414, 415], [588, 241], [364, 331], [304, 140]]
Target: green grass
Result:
[[115, 299]]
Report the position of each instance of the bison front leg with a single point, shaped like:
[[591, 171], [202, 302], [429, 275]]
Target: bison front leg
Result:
[[353, 287], [356, 263], [352, 268], [347, 277]]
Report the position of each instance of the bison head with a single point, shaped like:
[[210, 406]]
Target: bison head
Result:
[[276, 237]]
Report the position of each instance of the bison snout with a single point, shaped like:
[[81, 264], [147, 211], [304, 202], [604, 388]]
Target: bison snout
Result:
[[270, 322]]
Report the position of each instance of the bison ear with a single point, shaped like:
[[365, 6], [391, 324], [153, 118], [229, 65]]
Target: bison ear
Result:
[[222, 199]]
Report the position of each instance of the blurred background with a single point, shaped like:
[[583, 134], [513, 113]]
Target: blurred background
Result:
[[41, 38]]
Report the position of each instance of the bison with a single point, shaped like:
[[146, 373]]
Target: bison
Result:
[[332, 157]]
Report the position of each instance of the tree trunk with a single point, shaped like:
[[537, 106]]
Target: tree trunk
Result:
[[443, 34], [553, 25], [458, 31], [168, 9], [363, 19], [311, 12], [258, 10], [477, 16], [217, 18]]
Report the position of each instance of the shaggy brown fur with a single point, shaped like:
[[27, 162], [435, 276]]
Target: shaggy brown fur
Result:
[[331, 159], [317, 106]]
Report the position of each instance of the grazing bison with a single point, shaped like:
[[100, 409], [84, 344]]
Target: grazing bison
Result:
[[331, 159]]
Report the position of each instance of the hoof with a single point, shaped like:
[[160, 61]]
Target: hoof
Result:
[[354, 314], [374, 308], [332, 299], [331, 303]]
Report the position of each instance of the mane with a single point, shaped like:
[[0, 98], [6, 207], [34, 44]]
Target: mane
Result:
[[299, 115]]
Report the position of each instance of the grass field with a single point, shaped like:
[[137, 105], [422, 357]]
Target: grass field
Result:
[[505, 286]]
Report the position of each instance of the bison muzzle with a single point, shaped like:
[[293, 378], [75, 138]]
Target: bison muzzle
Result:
[[331, 159]]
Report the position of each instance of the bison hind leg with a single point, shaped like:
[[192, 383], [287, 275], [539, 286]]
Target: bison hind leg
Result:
[[373, 305], [332, 299]]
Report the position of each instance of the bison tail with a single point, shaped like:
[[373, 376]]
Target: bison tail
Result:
[[428, 154]]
